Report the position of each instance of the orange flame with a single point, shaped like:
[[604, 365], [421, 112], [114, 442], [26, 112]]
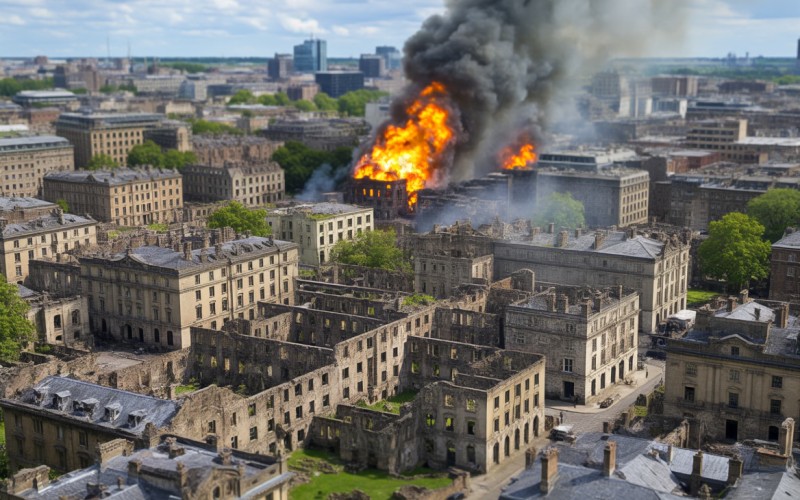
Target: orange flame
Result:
[[412, 151], [519, 160]]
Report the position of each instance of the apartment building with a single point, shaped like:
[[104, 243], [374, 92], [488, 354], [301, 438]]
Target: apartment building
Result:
[[104, 133], [316, 228], [735, 374], [128, 197], [42, 236], [784, 276], [654, 264], [252, 185], [60, 422], [153, 295], [589, 337], [24, 161]]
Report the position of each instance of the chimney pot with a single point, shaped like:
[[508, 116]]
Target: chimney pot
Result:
[[731, 304], [609, 458], [551, 228], [734, 471]]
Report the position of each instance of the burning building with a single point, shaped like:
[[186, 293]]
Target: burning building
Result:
[[389, 198]]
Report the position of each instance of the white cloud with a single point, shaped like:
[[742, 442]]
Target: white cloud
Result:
[[40, 12], [341, 31], [304, 26], [12, 19]]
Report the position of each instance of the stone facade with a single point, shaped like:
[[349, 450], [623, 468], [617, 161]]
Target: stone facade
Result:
[[252, 185], [734, 376], [389, 199], [317, 228], [24, 162], [217, 151], [784, 276], [589, 336], [62, 321], [153, 295], [127, 197], [44, 236]]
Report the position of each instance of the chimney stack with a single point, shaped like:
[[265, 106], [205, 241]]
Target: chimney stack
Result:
[[549, 470], [734, 470], [562, 239], [786, 437], [744, 297], [563, 303], [782, 315], [670, 454], [599, 238], [731, 304], [695, 480], [609, 458], [551, 301], [187, 251], [551, 228]]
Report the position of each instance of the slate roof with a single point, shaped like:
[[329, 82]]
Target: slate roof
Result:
[[13, 144], [747, 312], [42, 396], [791, 241], [197, 461], [325, 208], [615, 243], [42, 224], [643, 472], [8, 204], [116, 177]]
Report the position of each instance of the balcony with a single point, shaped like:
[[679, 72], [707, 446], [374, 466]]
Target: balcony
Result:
[[685, 403]]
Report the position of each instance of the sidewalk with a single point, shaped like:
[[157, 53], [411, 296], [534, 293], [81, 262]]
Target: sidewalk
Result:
[[619, 392]]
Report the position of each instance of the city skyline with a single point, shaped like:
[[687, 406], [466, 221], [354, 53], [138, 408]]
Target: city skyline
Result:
[[95, 28]]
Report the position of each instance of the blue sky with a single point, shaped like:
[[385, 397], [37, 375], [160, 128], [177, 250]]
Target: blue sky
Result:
[[184, 28]]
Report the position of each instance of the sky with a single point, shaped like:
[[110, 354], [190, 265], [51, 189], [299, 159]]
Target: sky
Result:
[[260, 28]]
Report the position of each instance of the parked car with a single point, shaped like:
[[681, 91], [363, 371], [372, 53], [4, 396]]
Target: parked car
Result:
[[562, 433]]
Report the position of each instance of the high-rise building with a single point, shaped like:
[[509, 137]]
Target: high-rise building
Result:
[[372, 65], [338, 83], [391, 56], [311, 56], [280, 66]]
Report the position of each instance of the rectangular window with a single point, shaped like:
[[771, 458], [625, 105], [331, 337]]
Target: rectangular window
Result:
[[691, 369], [777, 382], [688, 394], [775, 406], [733, 400], [733, 376], [568, 365]]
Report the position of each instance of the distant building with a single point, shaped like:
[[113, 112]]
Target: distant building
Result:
[[317, 228], [372, 65], [128, 197], [153, 295], [338, 83], [218, 151], [253, 185], [42, 236], [303, 91], [311, 56], [324, 134], [56, 97], [675, 86], [104, 133], [24, 161], [59, 321], [784, 276], [391, 56], [280, 66], [171, 134], [61, 421]]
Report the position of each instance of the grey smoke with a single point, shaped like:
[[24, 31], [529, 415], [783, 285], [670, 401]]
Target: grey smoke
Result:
[[324, 180], [505, 62]]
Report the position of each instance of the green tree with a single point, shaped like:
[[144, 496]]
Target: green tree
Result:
[[63, 205], [243, 96], [147, 153], [267, 100], [102, 161], [241, 219], [282, 99], [355, 103], [735, 251], [304, 105], [176, 160], [16, 331], [776, 210], [324, 102], [205, 127], [377, 249], [562, 209], [299, 162]]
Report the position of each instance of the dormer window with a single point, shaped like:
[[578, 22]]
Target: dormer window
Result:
[[112, 412], [61, 400], [135, 417]]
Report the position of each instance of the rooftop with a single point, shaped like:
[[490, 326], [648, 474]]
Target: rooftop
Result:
[[116, 177], [34, 142], [46, 223], [613, 243], [8, 204], [791, 240], [320, 209]]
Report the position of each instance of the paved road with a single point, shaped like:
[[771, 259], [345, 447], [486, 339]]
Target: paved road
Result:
[[491, 485]]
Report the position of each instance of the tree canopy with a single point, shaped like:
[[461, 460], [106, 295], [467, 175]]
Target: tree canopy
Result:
[[63, 205], [102, 161], [561, 209], [150, 153], [776, 210], [11, 86], [241, 219], [355, 103], [15, 328], [324, 102], [377, 249], [205, 127], [734, 250], [299, 162]]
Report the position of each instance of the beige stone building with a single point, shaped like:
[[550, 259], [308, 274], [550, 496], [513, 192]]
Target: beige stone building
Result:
[[654, 264], [589, 337], [153, 295], [735, 374], [58, 320], [252, 185], [316, 228], [24, 161], [217, 151], [127, 197], [44, 236], [104, 133]]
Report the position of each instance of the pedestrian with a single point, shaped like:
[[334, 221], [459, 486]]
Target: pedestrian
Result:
[[647, 374], [575, 401], [562, 416]]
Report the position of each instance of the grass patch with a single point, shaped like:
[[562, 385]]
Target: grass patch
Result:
[[392, 404], [418, 299], [158, 227], [378, 485], [2, 432], [640, 411], [697, 297], [185, 389]]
